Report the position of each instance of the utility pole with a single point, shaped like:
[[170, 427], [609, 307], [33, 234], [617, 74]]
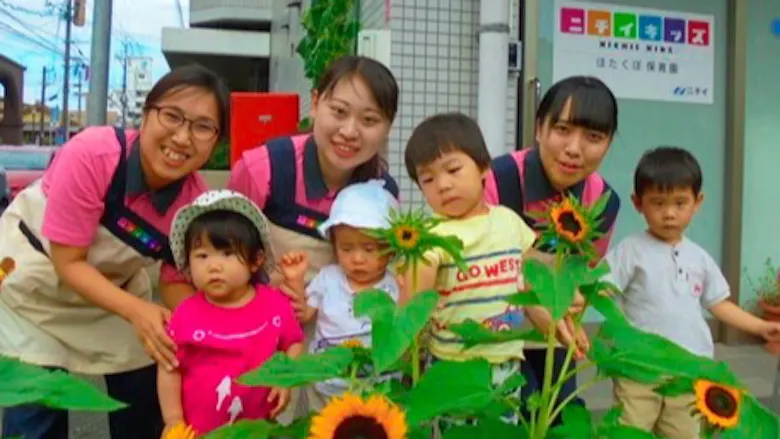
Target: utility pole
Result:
[[66, 76], [43, 106], [123, 98], [79, 86], [100, 57]]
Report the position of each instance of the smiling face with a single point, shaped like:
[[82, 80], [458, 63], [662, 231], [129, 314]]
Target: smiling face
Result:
[[350, 129], [569, 152], [173, 134]]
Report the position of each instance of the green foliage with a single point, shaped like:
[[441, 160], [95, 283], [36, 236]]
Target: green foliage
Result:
[[220, 157], [463, 390], [22, 383], [331, 32]]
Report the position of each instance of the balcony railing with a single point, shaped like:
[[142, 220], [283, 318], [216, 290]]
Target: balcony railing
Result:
[[210, 11]]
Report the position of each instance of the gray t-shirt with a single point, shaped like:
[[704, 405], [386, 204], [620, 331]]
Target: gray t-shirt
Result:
[[667, 288]]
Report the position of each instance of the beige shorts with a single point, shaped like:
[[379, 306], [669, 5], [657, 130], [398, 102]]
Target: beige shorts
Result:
[[645, 409]]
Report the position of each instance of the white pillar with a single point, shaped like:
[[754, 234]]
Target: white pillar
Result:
[[492, 86]]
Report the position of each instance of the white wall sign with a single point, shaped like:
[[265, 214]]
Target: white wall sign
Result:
[[639, 53]]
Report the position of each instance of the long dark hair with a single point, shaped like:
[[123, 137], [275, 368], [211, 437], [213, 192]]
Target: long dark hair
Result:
[[194, 75], [383, 87], [592, 104]]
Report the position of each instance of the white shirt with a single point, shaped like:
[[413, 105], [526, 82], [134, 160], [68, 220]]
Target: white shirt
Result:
[[666, 288], [336, 323]]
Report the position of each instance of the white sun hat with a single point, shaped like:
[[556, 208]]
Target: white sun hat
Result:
[[362, 206], [220, 200]]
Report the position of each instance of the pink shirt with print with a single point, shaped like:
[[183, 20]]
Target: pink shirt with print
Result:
[[216, 345], [76, 184]]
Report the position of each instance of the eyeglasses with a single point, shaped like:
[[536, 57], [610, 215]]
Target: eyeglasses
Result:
[[172, 119]]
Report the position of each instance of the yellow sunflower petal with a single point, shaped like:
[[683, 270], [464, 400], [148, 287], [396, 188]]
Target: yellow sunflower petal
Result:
[[720, 405], [181, 431], [351, 416]]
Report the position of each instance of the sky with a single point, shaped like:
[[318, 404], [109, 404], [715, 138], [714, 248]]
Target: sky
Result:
[[138, 23]]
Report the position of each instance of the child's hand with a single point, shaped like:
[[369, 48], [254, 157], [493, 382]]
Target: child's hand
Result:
[[294, 265], [771, 331], [282, 398]]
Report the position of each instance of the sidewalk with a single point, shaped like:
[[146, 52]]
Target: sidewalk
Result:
[[756, 368]]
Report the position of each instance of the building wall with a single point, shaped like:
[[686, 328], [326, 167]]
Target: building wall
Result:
[[286, 68], [434, 58], [760, 208]]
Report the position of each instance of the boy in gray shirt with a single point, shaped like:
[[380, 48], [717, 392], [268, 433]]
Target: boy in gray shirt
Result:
[[668, 281]]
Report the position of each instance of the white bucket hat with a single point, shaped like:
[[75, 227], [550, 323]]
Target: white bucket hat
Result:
[[361, 205], [220, 200]]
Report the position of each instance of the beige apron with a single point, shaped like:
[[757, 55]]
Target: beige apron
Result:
[[43, 321], [320, 254]]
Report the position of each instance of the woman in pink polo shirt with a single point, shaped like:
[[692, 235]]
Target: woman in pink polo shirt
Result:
[[80, 298], [295, 179], [575, 123]]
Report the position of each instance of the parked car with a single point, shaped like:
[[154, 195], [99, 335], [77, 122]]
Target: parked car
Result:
[[24, 164]]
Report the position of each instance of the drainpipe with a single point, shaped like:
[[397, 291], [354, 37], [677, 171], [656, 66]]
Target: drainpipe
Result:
[[493, 82]]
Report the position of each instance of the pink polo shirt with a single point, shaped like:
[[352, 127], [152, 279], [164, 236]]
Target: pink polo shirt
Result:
[[251, 176], [76, 184], [537, 193]]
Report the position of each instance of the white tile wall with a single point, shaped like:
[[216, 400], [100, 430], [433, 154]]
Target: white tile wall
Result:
[[434, 58]]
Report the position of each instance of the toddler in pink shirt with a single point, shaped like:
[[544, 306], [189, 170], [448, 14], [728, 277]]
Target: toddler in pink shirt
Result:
[[233, 324]]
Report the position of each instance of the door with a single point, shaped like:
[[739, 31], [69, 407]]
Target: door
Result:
[[692, 114]]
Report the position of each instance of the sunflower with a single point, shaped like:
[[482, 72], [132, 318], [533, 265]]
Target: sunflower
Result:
[[352, 417], [411, 235], [719, 404], [569, 222], [181, 431], [571, 227], [352, 343]]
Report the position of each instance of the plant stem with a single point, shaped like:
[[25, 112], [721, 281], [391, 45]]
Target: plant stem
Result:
[[416, 339], [574, 394], [564, 375], [353, 377], [543, 419]]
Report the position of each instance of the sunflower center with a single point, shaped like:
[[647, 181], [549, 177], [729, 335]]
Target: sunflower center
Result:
[[407, 235], [570, 223], [360, 427], [720, 402]]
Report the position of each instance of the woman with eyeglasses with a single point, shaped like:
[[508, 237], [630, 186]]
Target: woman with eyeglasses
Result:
[[80, 298]]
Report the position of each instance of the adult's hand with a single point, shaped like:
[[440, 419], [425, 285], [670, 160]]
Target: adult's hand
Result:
[[149, 321]]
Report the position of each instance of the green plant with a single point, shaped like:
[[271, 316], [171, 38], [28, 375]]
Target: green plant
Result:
[[331, 32], [22, 383], [409, 407], [767, 285], [220, 157]]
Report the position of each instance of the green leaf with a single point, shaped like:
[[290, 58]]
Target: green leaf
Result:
[[474, 334], [283, 371], [450, 387], [256, 429], [394, 328], [298, 429], [756, 421], [675, 387], [486, 428], [555, 288], [577, 423], [22, 383], [621, 350], [606, 306], [625, 432]]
